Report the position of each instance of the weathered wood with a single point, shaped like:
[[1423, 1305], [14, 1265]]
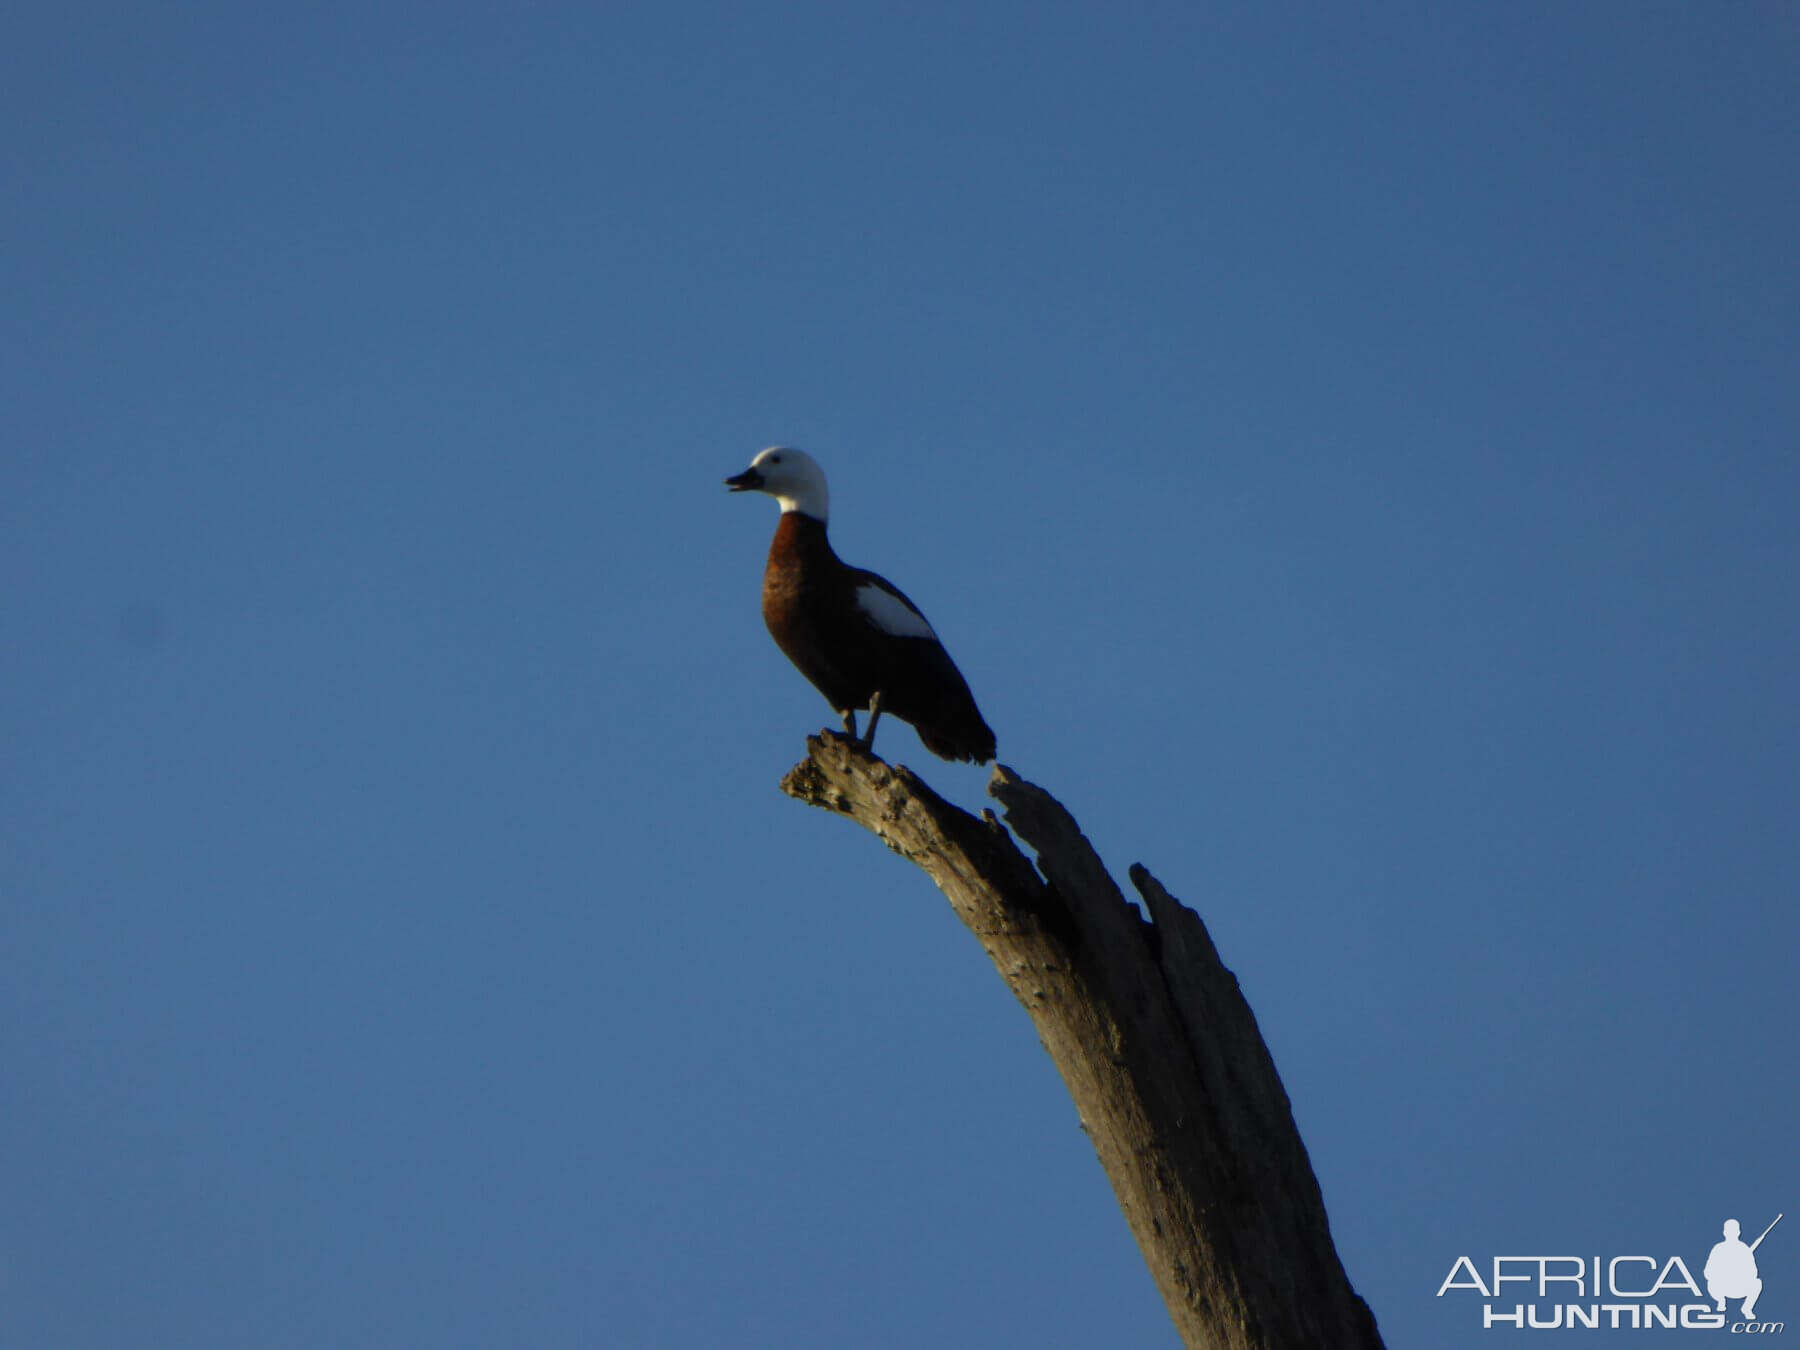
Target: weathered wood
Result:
[[1161, 1053]]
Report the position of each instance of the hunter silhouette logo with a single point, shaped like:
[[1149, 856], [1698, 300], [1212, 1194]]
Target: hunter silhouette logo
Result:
[[1731, 1269], [1594, 1293]]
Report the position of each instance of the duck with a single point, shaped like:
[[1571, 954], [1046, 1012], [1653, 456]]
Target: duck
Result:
[[851, 632]]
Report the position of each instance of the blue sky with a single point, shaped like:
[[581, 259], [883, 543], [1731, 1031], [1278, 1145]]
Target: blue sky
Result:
[[1351, 452]]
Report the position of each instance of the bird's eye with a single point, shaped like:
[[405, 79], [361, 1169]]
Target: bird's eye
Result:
[[774, 459]]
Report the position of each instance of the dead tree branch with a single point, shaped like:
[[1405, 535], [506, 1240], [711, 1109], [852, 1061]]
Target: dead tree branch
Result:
[[1160, 1051]]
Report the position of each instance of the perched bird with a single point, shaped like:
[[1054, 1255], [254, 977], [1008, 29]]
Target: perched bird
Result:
[[853, 634]]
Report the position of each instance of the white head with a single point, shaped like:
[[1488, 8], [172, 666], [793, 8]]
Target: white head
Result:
[[792, 477]]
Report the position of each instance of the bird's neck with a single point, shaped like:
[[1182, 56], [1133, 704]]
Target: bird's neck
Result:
[[800, 538], [807, 498]]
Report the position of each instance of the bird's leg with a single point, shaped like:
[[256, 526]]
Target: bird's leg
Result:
[[850, 723], [868, 740]]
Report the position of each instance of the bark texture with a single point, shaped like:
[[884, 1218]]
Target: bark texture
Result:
[[1161, 1053]]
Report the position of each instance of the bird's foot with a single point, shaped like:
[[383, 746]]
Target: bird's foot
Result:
[[868, 739], [850, 723]]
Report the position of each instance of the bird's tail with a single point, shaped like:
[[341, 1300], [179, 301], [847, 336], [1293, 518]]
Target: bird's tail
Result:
[[972, 743]]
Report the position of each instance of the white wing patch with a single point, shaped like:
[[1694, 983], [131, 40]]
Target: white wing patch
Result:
[[890, 613]]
